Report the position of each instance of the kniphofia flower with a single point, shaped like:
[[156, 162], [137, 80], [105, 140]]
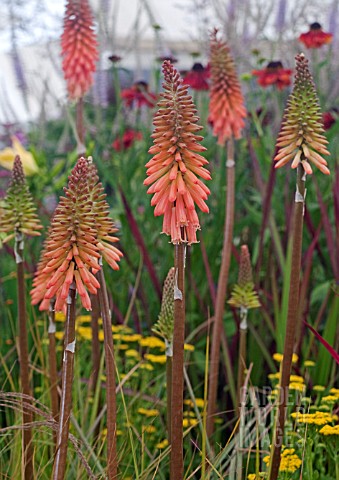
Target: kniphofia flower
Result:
[[79, 48], [18, 211], [173, 171], [301, 139], [226, 110], [197, 77], [126, 140], [243, 294], [315, 37], [77, 239], [138, 95], [105, 226], [274, 74]]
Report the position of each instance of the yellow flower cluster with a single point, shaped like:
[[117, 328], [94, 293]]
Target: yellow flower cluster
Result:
[[155, 358], [278, 357], [328, 430], [290, 462], [148, 412], [162, 445], [317, 418]]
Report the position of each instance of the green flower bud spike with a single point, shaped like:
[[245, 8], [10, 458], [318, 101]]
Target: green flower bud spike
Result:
[[301, 139], [18, 217]]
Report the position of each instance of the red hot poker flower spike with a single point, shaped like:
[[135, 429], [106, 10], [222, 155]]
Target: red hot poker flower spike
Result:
[[173, 171], [301, 139], [227, 110], [78, 48], [70, 251]]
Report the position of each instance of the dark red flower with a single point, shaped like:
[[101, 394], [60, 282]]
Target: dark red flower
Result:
[[197, 77], [126, 140], [274, 74], [315, 37], [138, 95], [329, 118]]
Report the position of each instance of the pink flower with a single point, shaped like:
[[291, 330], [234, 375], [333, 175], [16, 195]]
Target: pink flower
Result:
[[138, 95]]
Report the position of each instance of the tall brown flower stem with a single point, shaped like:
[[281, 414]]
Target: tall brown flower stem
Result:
[[112, 458], [80, 127], [169, 394], [24, 361], [292, 318], [59, 466], [177, 459], [53, 371], [221, 291]]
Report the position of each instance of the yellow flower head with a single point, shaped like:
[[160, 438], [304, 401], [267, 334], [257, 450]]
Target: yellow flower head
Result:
[[8, 155]]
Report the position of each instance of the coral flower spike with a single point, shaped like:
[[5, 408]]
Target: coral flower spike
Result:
[[301, 139], [70, 251], [227, 110], [173, 171], [79, 48]]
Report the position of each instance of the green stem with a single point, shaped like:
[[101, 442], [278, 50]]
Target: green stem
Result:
[[53, 371], [242, 353], [59, 466], [112, 457], [24, 361], [81, 149], [292, 317], [177, 459], [221, 291]]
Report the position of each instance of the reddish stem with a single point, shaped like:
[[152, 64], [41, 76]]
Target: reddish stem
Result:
[[53, 371], [177, 458], [112, 458], [221, 291], [60, 460], [292, 318], [28, 473]]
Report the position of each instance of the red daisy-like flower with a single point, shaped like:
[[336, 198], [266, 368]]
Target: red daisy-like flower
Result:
[[138, 95], [126, 140], [274, 74], [315, 37], [197, 77], [329, 118]]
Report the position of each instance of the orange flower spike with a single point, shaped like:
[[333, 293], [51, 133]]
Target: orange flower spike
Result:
[[302, 139], [65, 254], [226, 109], [173, 170], [78, 48], [104, 224]]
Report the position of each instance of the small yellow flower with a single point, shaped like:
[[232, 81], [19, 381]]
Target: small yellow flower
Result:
[[335, 391], [152, 342], [146, 366], [149, 428], [309, 363], [319, 388], [297, 386], [59, 317], [155, 358], [278, 357], [189, 348], [162, 445], [59, 335], [329, 399], [189, 422], [296, 379], [8, 154], [131, 353], [148, 412]]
